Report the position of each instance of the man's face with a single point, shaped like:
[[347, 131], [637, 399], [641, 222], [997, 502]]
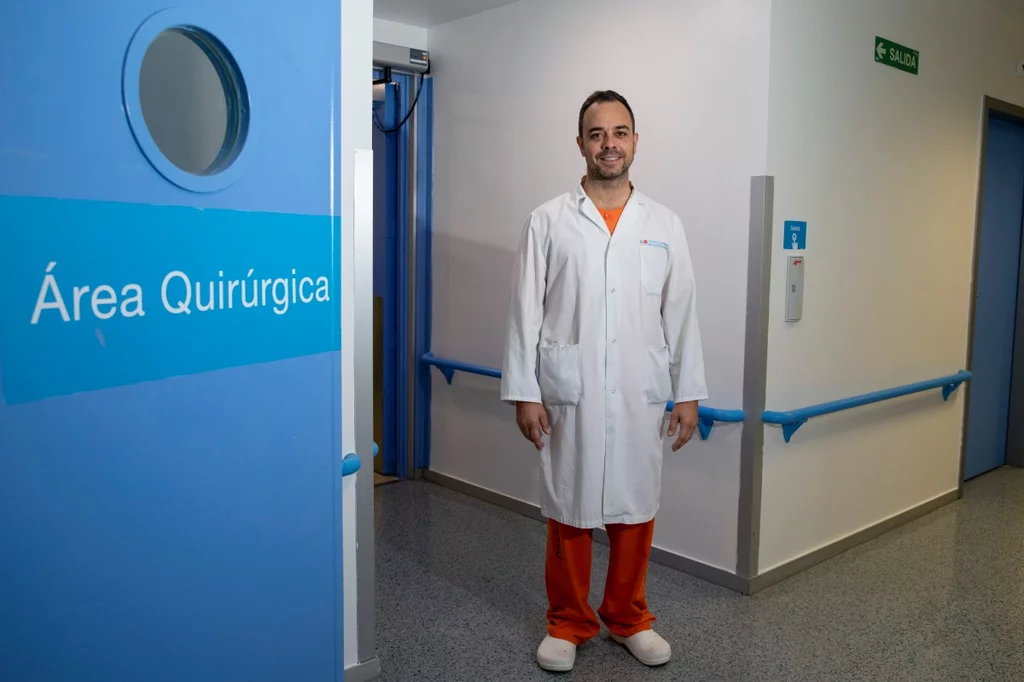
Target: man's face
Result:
[[608, 141]]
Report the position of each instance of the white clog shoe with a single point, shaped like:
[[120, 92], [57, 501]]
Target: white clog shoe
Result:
[[556, 655], [648, 647]]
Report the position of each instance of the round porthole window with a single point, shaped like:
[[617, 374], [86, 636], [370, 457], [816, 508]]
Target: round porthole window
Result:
[[187, 103]]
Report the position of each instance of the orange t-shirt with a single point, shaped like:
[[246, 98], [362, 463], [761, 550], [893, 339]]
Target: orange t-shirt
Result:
[[611, 217]]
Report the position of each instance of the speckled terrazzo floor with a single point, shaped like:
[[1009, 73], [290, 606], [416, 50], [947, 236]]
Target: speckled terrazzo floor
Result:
[[461, 597]]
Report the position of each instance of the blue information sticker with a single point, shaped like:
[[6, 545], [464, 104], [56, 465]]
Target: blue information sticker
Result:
[[795, 235]]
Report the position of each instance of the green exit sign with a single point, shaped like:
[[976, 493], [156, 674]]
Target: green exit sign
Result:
[[897, 56]]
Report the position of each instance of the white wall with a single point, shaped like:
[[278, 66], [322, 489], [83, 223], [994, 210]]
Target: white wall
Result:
[[884, 167], [356, 133], [385, 31], [509, 84]]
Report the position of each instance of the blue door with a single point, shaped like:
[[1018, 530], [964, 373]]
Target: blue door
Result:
[[386, 224], [391, 143], [999, 248], [170, 465]]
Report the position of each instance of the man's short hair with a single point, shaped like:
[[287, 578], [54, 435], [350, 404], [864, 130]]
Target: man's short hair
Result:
[[602, 96]]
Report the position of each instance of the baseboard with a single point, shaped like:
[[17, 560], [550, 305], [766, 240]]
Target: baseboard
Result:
[[363, 672], [712, 574], [489, 496], [798, 565], [664, 557]]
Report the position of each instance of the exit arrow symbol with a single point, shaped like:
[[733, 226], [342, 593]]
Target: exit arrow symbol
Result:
[[880, 50]]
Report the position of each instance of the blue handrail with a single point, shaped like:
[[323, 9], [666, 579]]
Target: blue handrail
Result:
[[792, 420], [706, 416], [449, 367]]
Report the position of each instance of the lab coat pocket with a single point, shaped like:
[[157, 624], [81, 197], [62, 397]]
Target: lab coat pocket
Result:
[[653, 267], [561, 381], [659, 377]]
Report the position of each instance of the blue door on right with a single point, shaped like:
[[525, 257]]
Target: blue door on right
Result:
[[998, 268]]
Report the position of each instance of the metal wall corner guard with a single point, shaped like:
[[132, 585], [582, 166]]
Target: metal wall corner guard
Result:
[[792, 420], [706, 416]]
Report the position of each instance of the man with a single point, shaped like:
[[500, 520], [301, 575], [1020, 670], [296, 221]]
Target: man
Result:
[[602, 335]]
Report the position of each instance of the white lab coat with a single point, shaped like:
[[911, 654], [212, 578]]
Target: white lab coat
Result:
[[603, 331]]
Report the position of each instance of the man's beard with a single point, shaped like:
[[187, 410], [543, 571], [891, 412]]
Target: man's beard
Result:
[[599, 173]]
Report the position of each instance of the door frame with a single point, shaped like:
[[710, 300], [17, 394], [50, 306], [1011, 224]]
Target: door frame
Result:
[[1011, 112]]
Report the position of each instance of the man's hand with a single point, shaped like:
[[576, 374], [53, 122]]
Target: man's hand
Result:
[[532, 419], [683, 420]]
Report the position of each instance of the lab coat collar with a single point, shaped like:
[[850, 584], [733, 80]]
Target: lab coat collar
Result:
[[581, 194], [587, 207]]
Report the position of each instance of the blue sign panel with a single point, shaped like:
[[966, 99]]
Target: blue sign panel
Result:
[[795, 235], [101, 294]]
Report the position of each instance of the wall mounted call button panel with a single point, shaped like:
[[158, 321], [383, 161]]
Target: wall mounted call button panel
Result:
[[795, 288]]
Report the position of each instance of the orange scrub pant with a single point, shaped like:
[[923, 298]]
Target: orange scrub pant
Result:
[[567, 576]]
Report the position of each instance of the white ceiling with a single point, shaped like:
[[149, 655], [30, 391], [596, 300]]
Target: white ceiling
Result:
[[430, 13]]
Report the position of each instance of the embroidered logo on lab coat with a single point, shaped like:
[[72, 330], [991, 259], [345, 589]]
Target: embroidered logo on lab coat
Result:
[[651, 242]]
